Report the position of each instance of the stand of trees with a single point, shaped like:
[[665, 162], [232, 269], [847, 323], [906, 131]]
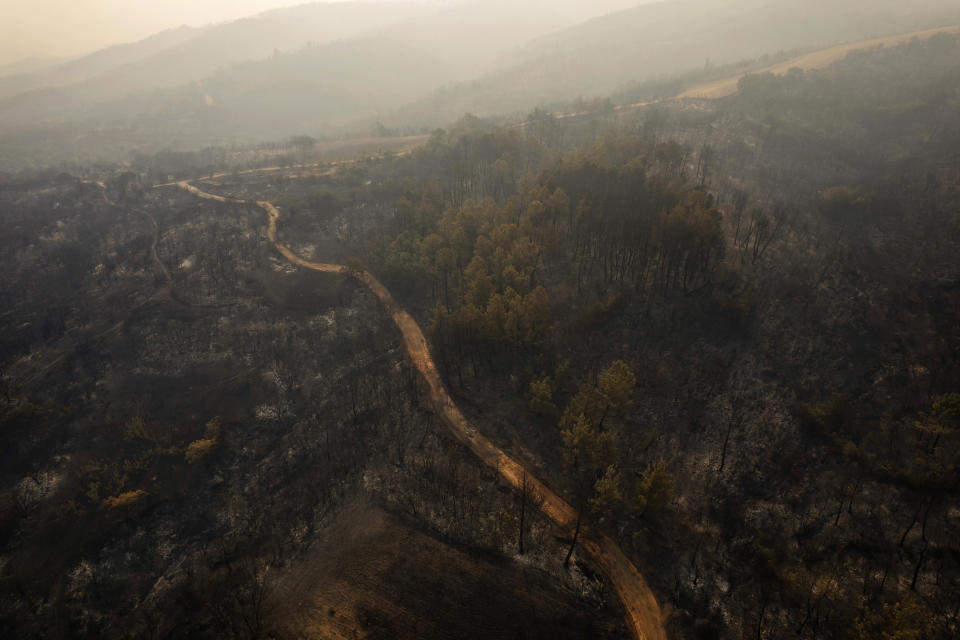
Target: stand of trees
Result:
[[787, 460]]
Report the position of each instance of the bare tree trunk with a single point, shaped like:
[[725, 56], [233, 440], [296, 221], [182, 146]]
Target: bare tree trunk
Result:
[[763, 611], [916, 570], [523, 511], [573, 543], [736, 420], [723, 451], [903, 539]]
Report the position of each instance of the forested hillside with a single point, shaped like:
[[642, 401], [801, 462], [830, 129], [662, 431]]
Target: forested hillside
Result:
[[724, 331], [732, 334]]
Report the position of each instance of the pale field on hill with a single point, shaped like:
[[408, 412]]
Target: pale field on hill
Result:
[[810, 61]]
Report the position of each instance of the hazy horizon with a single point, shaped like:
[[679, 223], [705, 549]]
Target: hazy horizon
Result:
[[52, 30], [63, 28]]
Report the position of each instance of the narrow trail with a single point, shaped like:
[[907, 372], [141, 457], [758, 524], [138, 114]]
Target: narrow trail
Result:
[[167, 289], [113, 329], [167, 278], [328, 168], [165, 292], [642, 611]]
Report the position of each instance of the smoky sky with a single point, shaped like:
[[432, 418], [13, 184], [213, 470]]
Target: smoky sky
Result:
[[58, 28], [48, 29]]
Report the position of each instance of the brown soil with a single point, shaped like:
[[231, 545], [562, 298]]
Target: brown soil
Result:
[[379, 575]]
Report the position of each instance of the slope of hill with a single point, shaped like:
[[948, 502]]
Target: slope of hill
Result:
[[789, 391], [29, 65], [96, 63], [316, 89], [820, 59], [197, 94], [481, 35], [472, 37], [179, 56], [598, 56], [189, 93]]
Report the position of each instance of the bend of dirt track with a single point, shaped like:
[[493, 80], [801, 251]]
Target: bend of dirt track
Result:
[[640, 605]]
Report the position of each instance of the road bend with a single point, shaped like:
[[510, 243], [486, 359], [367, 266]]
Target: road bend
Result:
[[640, 606]]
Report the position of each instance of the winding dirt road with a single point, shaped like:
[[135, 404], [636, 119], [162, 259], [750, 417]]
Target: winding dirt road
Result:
[[640, 606]]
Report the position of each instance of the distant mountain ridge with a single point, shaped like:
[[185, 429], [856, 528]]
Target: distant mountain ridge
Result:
[[464, 39], [29, 65], [409, 66], [186, 54], [98, 62], [601, 55]]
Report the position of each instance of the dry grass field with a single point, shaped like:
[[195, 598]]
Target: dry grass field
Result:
[[815, 60]]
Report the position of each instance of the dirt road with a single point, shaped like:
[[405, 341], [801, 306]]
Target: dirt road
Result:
[[640, 606], [410, 143]]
